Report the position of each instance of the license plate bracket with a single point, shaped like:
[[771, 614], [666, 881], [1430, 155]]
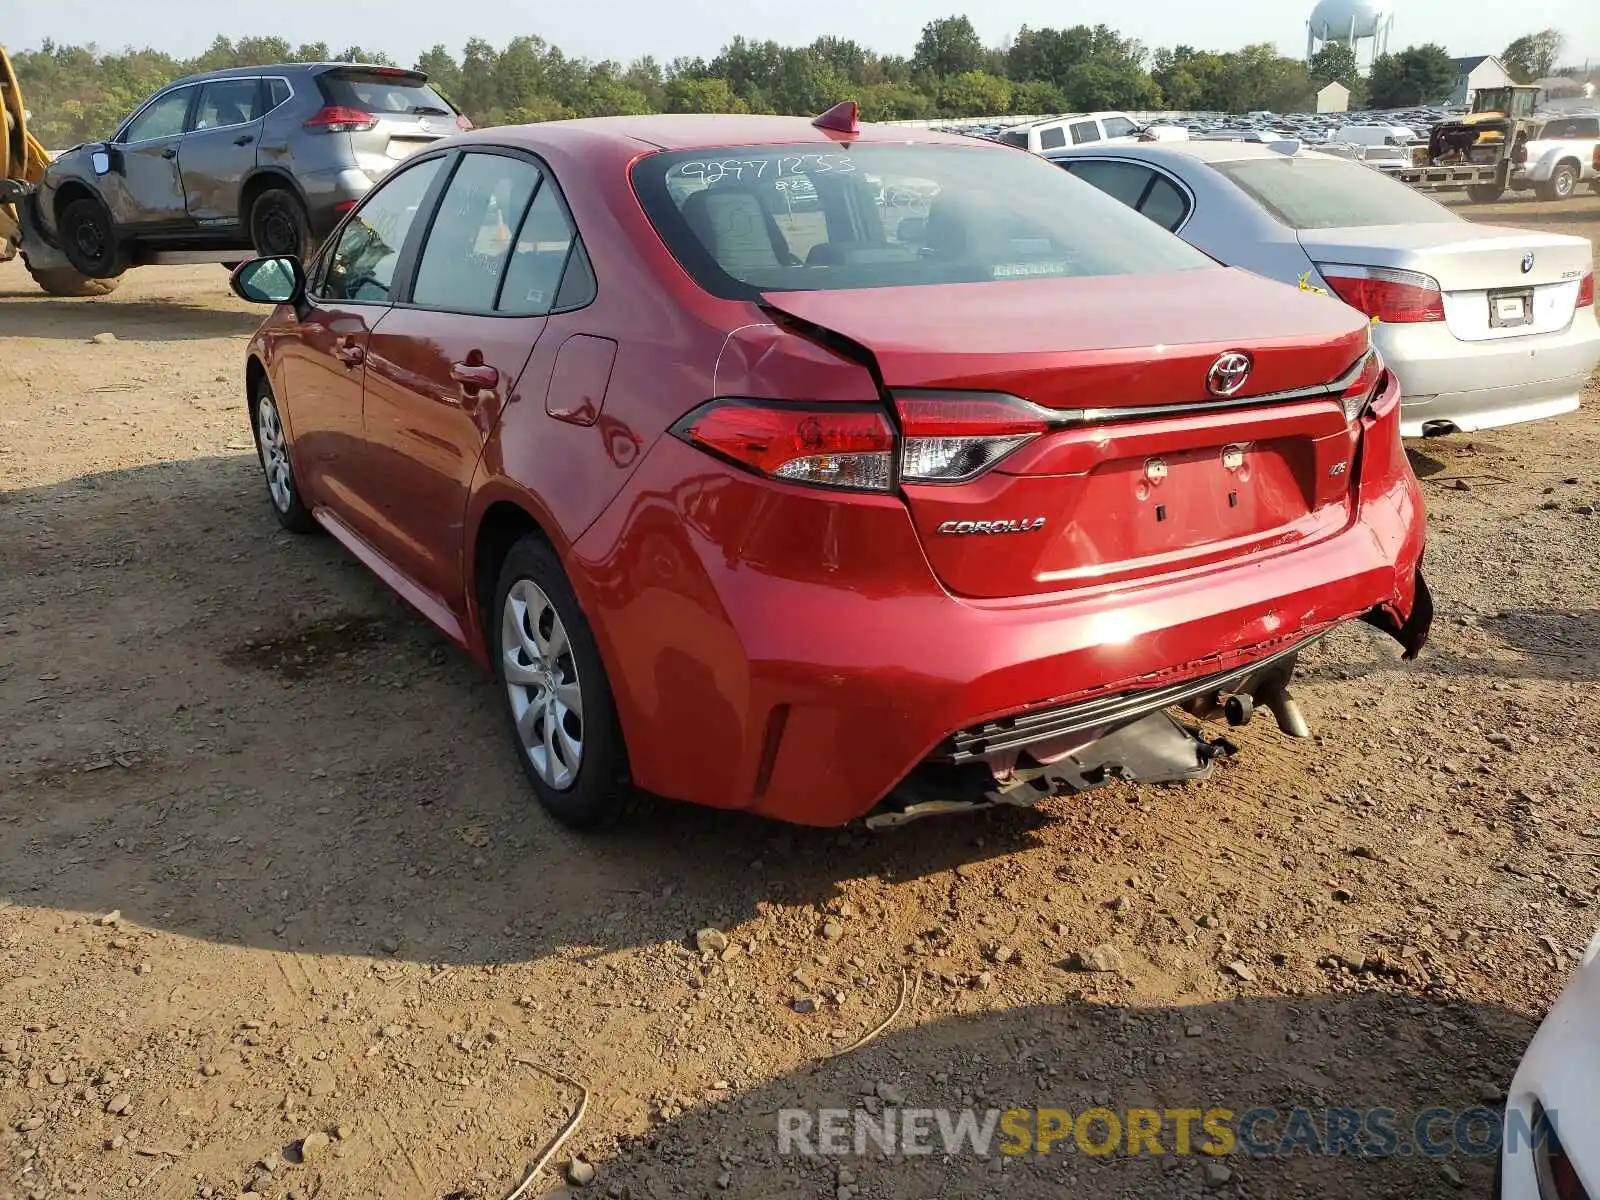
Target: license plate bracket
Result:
[[1510, 307]]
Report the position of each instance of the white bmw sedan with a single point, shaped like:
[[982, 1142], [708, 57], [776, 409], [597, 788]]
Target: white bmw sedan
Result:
[[1484, 325]]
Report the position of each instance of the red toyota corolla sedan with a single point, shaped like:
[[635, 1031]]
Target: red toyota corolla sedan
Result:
[[827, 471]]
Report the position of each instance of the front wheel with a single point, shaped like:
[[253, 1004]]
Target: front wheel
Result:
[[279, 226], [272, 445], [1485, 193], [557, 699], [1562, 183], [89, 240]]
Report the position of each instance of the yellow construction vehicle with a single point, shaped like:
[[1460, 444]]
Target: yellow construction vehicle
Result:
[[22, 164], [1479, 152]]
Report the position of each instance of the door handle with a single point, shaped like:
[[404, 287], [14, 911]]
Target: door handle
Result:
[[245, 140], [350, 354], [473, 376], [170, 152]]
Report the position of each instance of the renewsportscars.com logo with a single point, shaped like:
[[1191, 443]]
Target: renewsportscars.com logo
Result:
[[1257, 1132]]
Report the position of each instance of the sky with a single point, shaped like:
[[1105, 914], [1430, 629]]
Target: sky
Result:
[[625, 29]]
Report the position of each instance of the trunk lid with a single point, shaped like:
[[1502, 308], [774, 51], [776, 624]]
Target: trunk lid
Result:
[[410, 115], [1497, 282], [1157, 478]]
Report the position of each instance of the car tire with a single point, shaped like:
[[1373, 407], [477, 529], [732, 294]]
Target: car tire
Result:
[[89, 240], [1485, 193], [554, 691], [279, 225], [1561, 185], [277, 466], [64, 281]]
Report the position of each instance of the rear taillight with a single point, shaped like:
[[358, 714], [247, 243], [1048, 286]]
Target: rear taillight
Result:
[[1391, 296], [1364, 389], [1586, 291], [463, 122], [335, 118], [832, 445], [950, 438]]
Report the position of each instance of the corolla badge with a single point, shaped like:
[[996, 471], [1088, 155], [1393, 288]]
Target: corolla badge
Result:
[[1026, 525], [1228, 373], [1527, 262]]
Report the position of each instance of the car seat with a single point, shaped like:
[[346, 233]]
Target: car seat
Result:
[[737, 230]]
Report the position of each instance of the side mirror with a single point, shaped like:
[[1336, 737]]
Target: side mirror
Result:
[[911, 230], [270, 281]]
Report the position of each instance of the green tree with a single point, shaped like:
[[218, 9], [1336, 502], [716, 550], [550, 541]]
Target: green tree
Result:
[[893, 102], [443, 72], [948, 46], [686, 94], [1533, 55], [1037, 97], [973, 94], [1334, 63], [1415, 75]]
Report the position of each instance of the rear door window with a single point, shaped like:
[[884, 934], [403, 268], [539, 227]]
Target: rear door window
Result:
[[549, 269], [470, 240], [383, 92], [362, 265], [225, 102], [1085, 131], [1052, 138], [1141, 188], [1120, 127]]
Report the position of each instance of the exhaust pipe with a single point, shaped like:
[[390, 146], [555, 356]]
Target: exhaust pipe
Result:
[[1284, 709]]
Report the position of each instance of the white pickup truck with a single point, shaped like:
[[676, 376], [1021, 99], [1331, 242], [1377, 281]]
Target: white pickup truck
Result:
[[1560, 157]]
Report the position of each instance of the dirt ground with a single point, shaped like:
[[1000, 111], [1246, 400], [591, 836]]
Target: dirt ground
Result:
[[268, 871]]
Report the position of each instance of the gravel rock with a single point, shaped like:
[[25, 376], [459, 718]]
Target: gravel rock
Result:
[[1216, 1175], [57, 1076], [1004, 954], [1450, 1175], [1241, 971], [104, 339], [119, 1104], [889, 1093], [580, 1172], [710, 941], [833, 930], [111, 918], [803, 1004], [313, 1145], [1101, 959]]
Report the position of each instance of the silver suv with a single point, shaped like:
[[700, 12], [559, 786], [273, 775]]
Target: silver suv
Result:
[[214, 166]]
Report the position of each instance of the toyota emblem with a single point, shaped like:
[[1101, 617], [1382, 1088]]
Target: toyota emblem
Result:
[[1228, 373], [1527, 262]]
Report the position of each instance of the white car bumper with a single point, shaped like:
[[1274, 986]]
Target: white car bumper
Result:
[[1561, 1074], [1454, 385]]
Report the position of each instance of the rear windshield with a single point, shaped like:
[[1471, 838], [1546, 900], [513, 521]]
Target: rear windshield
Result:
[[752, 219], [1330, 193], [378, 93]]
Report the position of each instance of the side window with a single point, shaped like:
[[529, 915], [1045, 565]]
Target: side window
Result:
[[1052, 138], [1119, 127], [163, 118], [467, 247], [1085, 131], [539, 278], [361, 267], [1164, 203], [228, 102], [278, 93], [1123, 180]]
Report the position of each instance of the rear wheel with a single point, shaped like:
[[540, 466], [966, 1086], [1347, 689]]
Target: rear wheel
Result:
[[278, 225], [64, 281], [557, 699], [272, 445], [1485, 193], [89, 240], [1562, 183]]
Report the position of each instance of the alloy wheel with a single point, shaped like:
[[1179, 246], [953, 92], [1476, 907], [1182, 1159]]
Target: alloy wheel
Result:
[[541, 678], [274, 454]]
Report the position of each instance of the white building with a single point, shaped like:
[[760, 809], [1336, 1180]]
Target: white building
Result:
[[1333, 97], [1480, 71]]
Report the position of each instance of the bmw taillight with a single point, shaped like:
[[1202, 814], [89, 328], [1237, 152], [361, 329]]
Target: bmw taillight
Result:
[[1366, 386], [951, 437], [336, 118], [1586, 291], [1392, 296], [832, 445]]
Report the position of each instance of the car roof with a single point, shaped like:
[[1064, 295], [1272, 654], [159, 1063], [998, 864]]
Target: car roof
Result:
[[1203, 151], [297, 68], [704, 131]]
